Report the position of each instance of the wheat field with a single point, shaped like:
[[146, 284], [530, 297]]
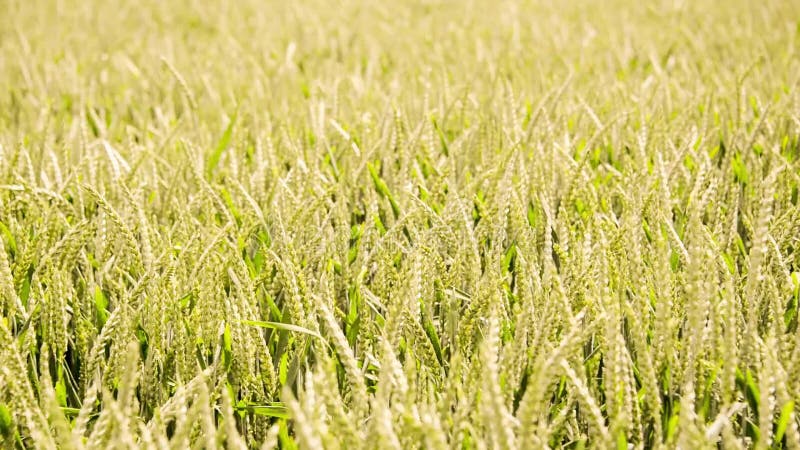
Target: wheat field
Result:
[[386, 225]]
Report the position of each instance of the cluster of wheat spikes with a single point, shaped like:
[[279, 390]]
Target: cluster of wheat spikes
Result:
[[418, 224]]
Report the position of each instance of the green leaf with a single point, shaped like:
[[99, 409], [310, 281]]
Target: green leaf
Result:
[[748, 386], [729, 263], [227, 347], [11, 243], [6, 421], [187, 301], [379, 224], [141, 336], [508, 258], [271, 411], [226, 197], [353, 319], [101, 306], [383, 189], [430, 330], [532, 215], [790, 316], [622, 441], [222, 145], [672, 425], [25, 289], [283, 368], [61, 393], [783, 420], [442, 138], [70, 412], [674, 261], [647, 232], [281, 326], [285, 437], [275, 409], [740, 170], [274, 311]]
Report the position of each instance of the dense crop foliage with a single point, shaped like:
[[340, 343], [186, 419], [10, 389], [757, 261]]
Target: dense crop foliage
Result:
[[417, 224]]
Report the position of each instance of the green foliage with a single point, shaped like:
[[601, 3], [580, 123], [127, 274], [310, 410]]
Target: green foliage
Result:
[[413, 224], [222, 145]]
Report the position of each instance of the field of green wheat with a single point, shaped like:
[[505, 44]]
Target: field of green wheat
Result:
[[421, 224]]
